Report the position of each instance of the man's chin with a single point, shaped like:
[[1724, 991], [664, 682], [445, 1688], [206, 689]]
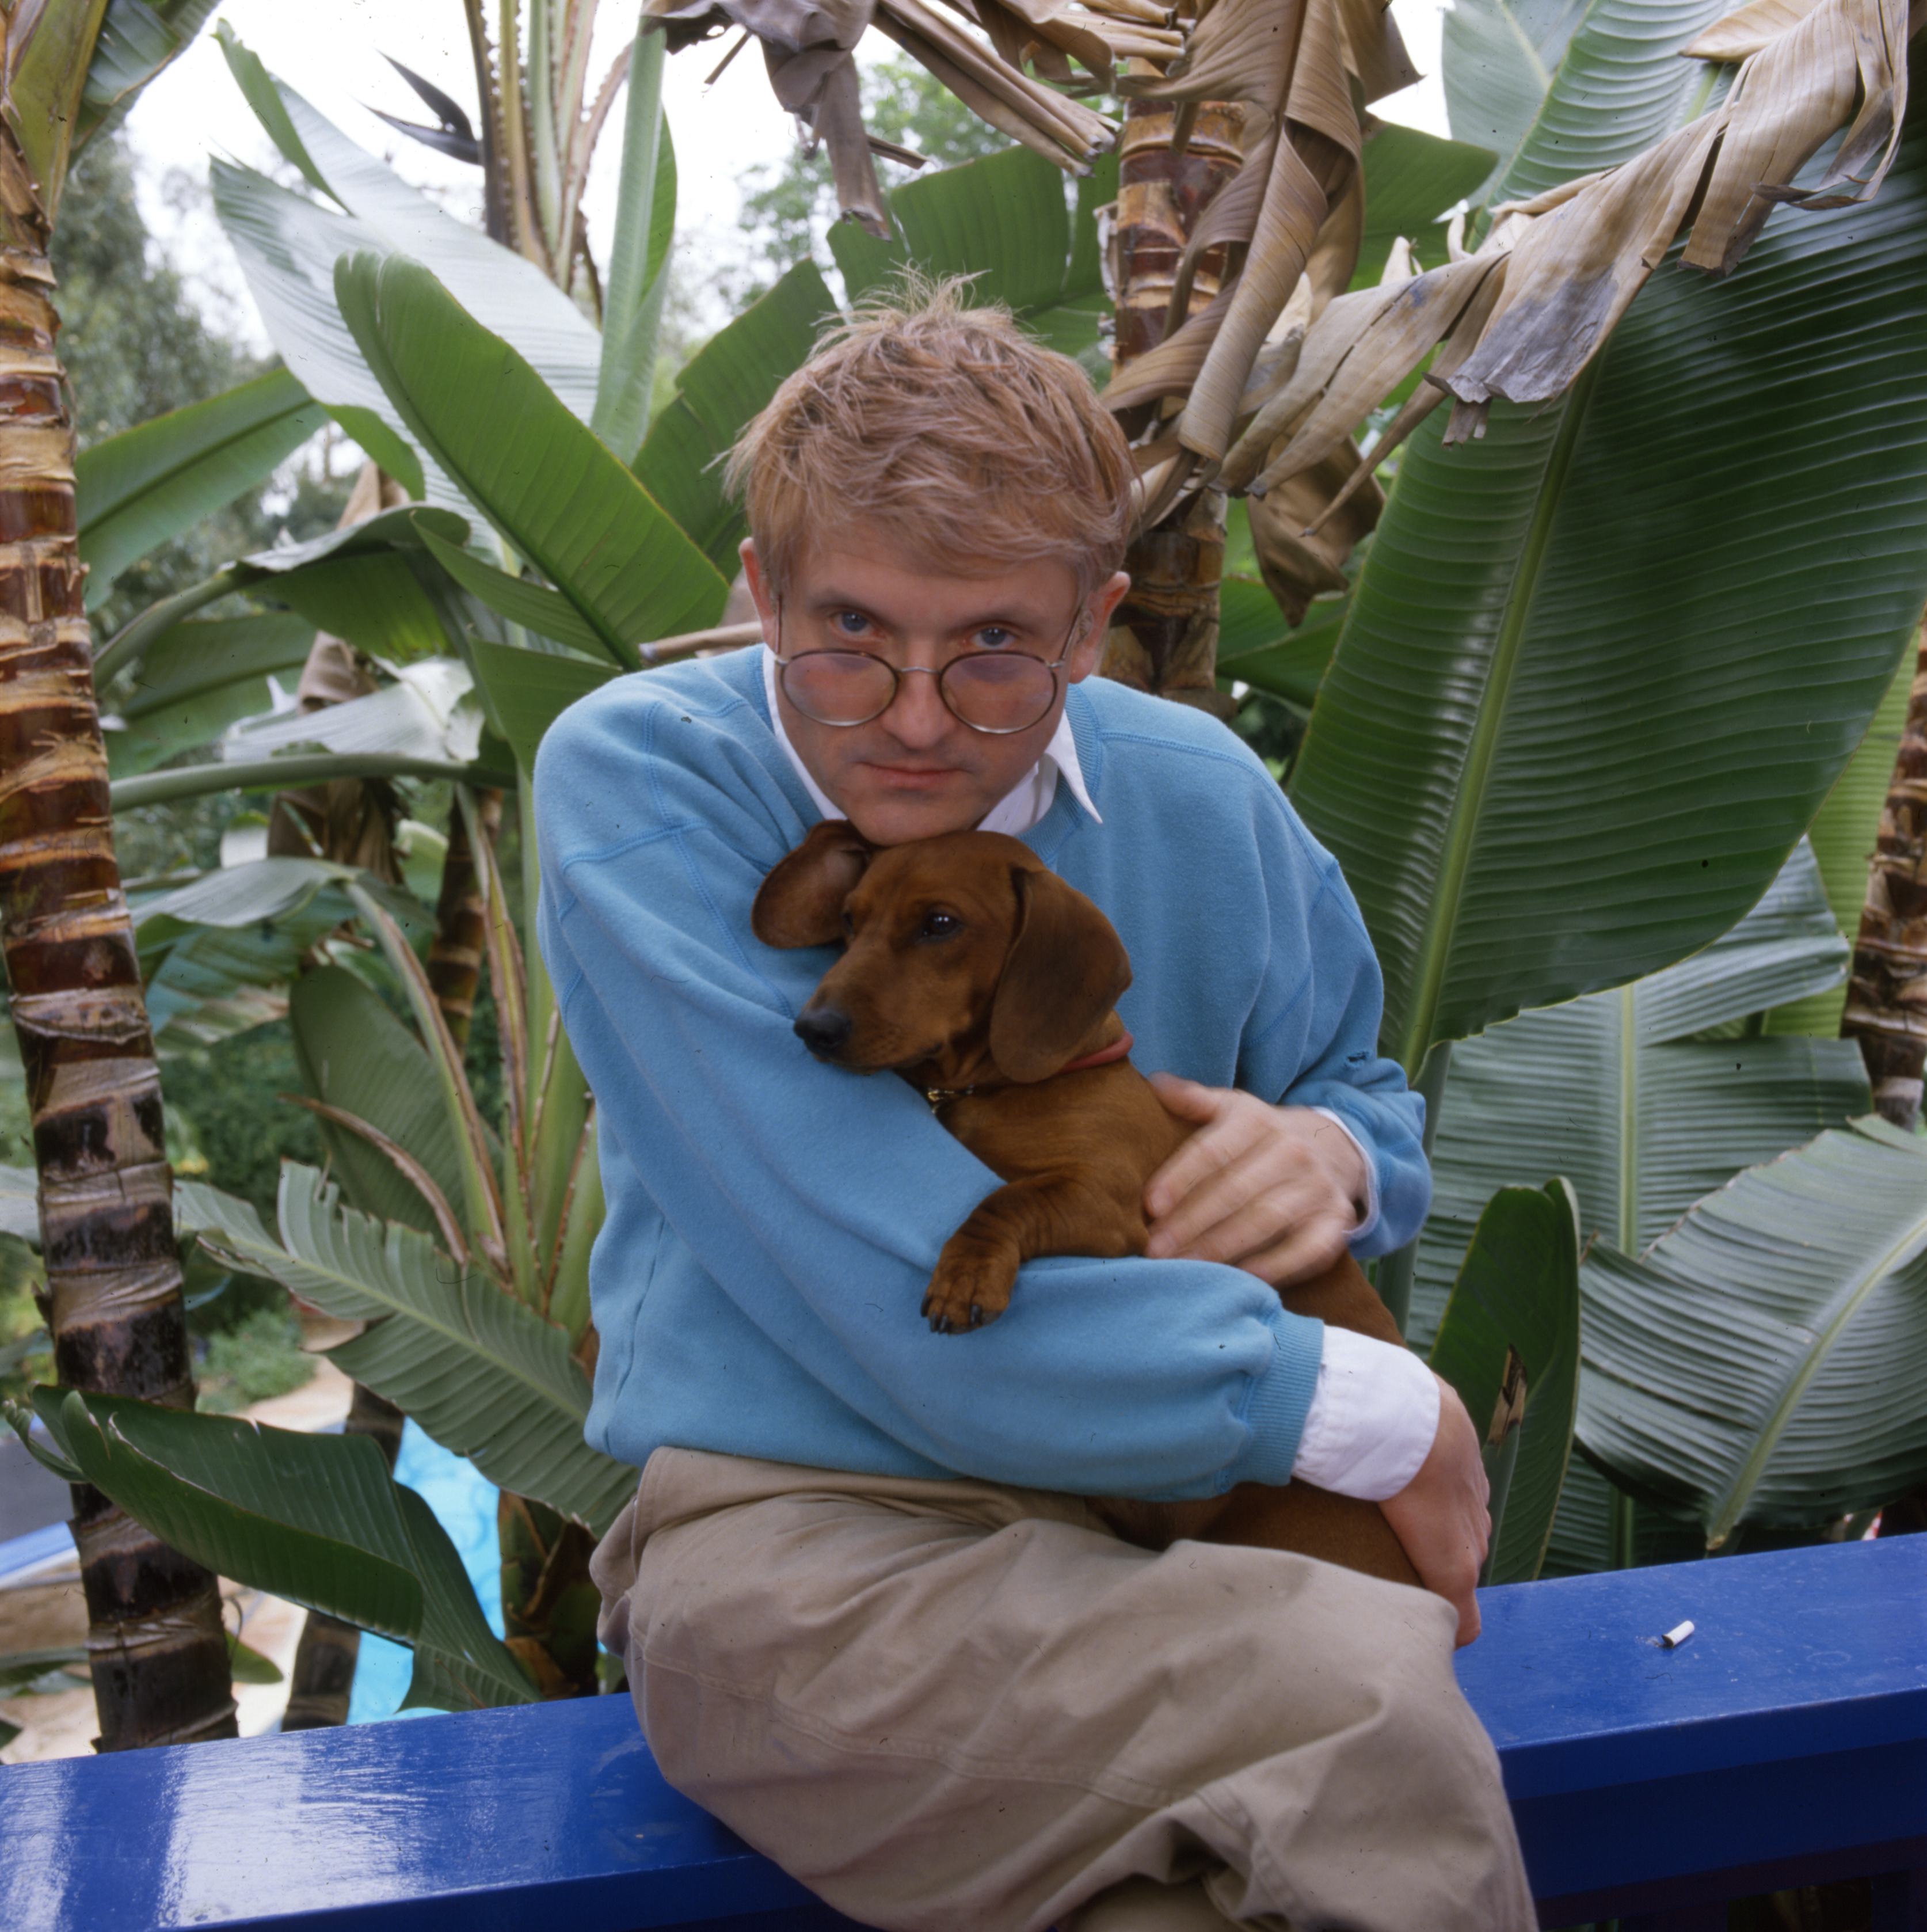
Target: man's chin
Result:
[[897, 819]]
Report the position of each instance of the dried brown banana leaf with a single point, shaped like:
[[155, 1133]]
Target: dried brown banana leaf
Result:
[[1298, 565], [1063, 129], [1375, 48], [1241, 50], [1467, 418], [836, 119], [1311, 171], [1575, 269], [1730, 40], [1226, 220], [1787, 99], [1355, 354]]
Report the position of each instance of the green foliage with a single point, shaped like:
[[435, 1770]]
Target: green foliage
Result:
[[135, 347], [788, 209], [228, 1093], [261, 1356], [26, 1354]]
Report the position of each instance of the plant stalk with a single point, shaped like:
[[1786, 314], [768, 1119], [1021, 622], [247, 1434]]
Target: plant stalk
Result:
[[1164, 638], [1887, 995]]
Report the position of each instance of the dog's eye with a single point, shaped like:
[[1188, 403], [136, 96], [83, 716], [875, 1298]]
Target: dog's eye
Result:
[[940, 925]]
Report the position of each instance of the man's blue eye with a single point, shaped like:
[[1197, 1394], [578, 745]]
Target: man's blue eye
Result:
[[852, 623], [993, 637]]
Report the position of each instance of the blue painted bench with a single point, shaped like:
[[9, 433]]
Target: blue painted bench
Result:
[[1784, 1743]]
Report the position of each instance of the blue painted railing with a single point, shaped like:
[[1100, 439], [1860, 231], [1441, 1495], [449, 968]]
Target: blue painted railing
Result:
[[1784, 1743]]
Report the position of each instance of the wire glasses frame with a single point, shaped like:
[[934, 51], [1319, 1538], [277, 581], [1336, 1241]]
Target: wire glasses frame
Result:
[[842, 689]]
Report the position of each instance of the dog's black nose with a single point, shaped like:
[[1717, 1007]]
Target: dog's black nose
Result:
[[823, 1029]]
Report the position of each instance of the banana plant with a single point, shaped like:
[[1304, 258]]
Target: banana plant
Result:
[[315, 1519], [503, 1289], [1762, 1361]]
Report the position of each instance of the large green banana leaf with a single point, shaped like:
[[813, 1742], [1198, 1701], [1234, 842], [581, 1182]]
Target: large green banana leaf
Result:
[[528, 691], [356, 582], [1518, 1291], [244, 927], [1560, 88], [198, 678], [635, 287], [429, 712], [1586, 1538], [553, 490], [1411, 180], [1601, 667], [354, 1054], [485, 1376], [151, 482], [523, 305], [722, 386], [1003, 221], [137, 39], [1843, 837], [287, 246], [315, 1519], [1613, 1092], [1766, 1360]]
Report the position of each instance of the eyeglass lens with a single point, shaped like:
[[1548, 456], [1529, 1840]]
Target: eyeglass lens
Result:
[[988, 691]]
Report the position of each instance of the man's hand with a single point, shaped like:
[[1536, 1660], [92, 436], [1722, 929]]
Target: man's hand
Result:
[[1440, 1515], [1277, 1191]]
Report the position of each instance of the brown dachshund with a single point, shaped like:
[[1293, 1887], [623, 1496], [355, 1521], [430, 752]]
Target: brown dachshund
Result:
[[975, 972]]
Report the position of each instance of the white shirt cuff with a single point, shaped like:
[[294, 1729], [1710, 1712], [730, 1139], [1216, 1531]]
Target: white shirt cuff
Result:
[[1370, 1218], [1372, 1420]]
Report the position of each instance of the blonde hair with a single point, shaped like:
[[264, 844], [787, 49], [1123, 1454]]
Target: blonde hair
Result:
[[972, 446]]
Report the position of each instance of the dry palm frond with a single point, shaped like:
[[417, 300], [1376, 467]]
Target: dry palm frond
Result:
[[1299, 563], [1374, 50], [1544, 292], [807, 46], [1288, 64], [1362, 347], [1789, 96], [1578, 266], [1061, 130]]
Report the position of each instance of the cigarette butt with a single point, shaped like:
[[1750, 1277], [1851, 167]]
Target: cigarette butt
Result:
[[1676, 1636]]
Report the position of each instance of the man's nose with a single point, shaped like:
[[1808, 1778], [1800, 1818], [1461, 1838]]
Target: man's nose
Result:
[[918, 714]]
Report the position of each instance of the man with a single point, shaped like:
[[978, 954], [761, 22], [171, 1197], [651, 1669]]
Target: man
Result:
[[868, 1619]]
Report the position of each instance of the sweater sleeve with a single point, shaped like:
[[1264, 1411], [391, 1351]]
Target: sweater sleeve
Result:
[[815, 1201], [1320, 1048]]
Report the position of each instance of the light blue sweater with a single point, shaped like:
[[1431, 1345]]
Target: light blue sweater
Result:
[[772, 1222]]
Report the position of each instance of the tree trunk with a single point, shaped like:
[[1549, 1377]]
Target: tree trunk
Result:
[[1164, 637], [155, 1642], [455, 957], [1886, 996]]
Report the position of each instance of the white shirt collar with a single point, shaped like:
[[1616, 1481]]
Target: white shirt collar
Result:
[[1015, 813]]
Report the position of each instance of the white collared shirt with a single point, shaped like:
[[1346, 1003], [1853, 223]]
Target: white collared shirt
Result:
[[1376, 1409]]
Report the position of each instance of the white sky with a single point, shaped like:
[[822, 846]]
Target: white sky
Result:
[[331, 50]]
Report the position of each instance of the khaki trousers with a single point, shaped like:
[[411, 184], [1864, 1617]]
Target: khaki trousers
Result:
[[954, 1707]]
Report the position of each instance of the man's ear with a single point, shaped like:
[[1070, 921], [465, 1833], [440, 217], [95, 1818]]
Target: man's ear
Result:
[[800, 902], [761, 594], [1066, 969], [1086, 650]]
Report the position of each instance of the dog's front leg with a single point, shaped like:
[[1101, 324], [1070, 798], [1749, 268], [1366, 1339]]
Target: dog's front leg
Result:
[[1040, 1214]]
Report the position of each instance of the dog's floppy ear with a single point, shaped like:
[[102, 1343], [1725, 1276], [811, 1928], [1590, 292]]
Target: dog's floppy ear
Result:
[[800, 903], [1065, 970]]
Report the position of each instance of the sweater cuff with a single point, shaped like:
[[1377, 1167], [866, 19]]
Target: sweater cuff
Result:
[[1281, 1399]]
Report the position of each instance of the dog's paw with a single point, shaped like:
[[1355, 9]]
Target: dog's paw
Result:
[[967, 1292]]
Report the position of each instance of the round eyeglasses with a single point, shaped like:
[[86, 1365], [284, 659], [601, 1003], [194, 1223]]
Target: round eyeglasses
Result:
[[997, 692]]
